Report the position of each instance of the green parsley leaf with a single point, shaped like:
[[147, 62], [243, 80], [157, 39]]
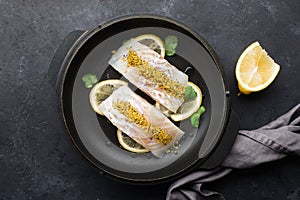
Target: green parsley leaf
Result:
[[195, 117], [189, 93], [171, 43], [89, 80]]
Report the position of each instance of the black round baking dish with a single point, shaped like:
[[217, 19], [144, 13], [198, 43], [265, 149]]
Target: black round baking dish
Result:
[[88, 51]]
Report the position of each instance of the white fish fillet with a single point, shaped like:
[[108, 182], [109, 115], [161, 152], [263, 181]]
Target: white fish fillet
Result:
[[154, 60], [135, 131]]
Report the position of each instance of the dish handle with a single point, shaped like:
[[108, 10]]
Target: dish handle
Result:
[[55, 68], [225, 144]]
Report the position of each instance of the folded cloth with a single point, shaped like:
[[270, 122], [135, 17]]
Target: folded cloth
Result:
[[273, 141]]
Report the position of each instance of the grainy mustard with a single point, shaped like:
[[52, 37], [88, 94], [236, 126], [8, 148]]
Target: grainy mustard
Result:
[[133, 115], [154, 75]]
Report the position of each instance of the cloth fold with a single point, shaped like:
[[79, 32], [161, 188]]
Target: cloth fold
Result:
[[271, 142]]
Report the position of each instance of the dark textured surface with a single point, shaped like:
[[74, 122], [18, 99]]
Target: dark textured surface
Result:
[[37, 159]]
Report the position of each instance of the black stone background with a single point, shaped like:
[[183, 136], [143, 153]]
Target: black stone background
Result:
[[37, 159]]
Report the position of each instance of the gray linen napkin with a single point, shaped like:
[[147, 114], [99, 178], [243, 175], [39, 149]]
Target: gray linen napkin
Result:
[[273, 141]]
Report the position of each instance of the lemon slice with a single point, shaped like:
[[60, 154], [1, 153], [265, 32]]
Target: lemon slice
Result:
[[255, 69], [129, 144], [188, 108], [102, 90], [153, 42], [163, 109]]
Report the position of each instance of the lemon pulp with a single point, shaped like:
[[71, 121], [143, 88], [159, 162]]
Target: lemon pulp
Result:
[[255, 69], [153, 42], [129, 144], [102, 90]]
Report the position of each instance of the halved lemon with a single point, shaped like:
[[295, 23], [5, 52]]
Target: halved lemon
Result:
[[153, 42], [255, 69], [102, 90], [129, 144], [189, 107]]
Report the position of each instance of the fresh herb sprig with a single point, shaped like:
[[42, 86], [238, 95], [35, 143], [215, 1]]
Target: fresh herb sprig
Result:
[[171, 42], [195, 117], [89, 80], [189, 93]]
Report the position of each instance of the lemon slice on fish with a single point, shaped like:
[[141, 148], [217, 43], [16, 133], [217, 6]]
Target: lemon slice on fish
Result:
[[163, 109], [153, 42], [102, 90], [189, 107], [129, 144]]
